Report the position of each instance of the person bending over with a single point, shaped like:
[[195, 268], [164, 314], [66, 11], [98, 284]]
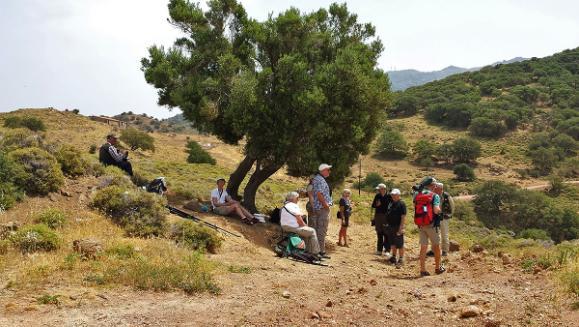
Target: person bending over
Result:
[[224, 205], [109, 155]]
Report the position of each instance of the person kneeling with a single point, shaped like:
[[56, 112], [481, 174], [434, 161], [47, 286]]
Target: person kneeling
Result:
[[224, 205], [292, 221]]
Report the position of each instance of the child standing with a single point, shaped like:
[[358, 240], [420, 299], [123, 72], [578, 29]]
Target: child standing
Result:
[[344, 216]]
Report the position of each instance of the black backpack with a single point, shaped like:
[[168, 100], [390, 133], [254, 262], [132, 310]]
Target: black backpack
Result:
[[275, 216], [158, 185]]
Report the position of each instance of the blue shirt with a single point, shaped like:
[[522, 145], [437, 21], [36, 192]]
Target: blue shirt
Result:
[[321, 186]]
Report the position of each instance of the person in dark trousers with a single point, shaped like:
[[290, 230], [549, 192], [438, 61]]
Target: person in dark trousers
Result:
[[396, 220], [380, 203], [109, 155]]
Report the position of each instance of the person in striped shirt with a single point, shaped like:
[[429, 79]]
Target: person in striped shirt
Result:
[[110, 155]]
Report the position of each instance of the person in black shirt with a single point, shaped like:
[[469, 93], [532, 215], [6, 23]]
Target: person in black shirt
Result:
[[395, 220], [344, 215], [380, 203]]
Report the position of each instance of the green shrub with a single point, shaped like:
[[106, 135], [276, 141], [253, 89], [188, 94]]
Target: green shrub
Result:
[[464, 172], [36, 171], [197, 154], [92, 149], [486, 127], [32, 123], [544, 159], [137, 139], [139, 213], [556, 185], [423, 151], [34, 238], [465, 150], [391, 144], [48, 299], [534, 234], [404, 106], [372, 180], [122, 251], [196, 236], [53, 218], [9, 195], [20, 138], [569, 168], [464, 210], [71, 161]]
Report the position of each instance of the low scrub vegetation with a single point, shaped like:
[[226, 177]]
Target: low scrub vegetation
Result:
[[137, 139], [53, 218], [35, 171], [34, 238], [372, 180], [391, 144], [32, 123], [198, 155], [71, 161], [196, 236], [464, 173]]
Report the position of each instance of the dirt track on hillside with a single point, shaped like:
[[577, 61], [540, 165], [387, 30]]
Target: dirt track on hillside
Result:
[[359, 289]]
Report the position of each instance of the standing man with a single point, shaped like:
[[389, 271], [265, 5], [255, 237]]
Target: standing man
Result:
[[426, 206], [447, 208], [322, 203], [396, 220], [110, 155], [381, 201]]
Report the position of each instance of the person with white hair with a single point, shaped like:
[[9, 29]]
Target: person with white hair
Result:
[[344, 215], [447, 208], [292, 221]]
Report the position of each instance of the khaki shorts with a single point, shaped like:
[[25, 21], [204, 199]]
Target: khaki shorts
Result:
[[428, 233], [222, 211]]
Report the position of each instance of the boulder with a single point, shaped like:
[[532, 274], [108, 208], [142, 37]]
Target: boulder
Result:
[[286, 294], [477, 248], [87, 248], [453, 246], [507, 259], [470, 311]]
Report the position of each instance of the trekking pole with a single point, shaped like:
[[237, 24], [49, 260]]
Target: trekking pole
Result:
[[186, 215]]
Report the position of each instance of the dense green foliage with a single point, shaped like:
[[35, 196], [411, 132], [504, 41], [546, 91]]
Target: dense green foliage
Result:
[[137, 139], [501, 205], [300, 88], [464, 172], [52, 217], [32, 123], [547, 150], [372, 180], [423, 151], [196, 236], [32, 238], [71, 161], [496, 99], [35, 171], [197, 154], [391, 144]]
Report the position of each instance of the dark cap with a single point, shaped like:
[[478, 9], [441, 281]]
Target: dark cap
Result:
[[111, 136], [428, 180]]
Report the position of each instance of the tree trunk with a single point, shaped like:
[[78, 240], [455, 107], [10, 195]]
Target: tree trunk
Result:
[[238, 175], [260, 175]]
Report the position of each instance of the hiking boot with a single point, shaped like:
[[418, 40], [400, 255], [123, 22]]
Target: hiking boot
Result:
[[430, 253], [378, 253], [444, 254], [424, 273], [400, 263], [324, 256], [392, 260], [387, 255], [440, 270]]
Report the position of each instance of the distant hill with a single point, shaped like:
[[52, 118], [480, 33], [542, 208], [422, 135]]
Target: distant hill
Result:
[[175, 124], [403, 79]]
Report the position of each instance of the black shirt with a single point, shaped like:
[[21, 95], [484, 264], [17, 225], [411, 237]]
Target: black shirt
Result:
[[395, 212], [347, 208], [384, 201]]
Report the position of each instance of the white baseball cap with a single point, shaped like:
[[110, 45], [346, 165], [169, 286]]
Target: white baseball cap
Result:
[[381, 185], [324, 167], [395, 191]]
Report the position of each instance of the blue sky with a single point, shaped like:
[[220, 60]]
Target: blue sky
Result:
[[85, 54]]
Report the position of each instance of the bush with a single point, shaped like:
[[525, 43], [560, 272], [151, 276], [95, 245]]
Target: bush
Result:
[[34, 238], [71, 161], [53, 218], [543, 159], [464, 210], [197, 154], [196, 236], [4, 246], [137, 139], [465, 150], [464, 173], [20, 138], [139, 213], [423, 151], [486, 127], [391, 144], [404, 105], [92, 149], [569, 168], [9, 195], [534, 234], [32, 123], [372, 180], [36, 171]]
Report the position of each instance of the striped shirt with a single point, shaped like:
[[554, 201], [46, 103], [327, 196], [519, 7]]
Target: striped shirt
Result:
[[116, 154]]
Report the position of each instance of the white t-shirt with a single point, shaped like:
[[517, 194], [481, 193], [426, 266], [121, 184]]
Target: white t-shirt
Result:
[[221, 197], [288, 218]]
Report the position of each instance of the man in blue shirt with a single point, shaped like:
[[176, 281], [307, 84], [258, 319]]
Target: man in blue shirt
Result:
[[321, 206]]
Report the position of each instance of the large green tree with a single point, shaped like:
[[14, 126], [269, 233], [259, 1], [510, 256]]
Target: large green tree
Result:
[[299, 88]]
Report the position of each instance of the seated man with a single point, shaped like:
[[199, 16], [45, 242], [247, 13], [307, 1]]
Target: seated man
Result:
[[292, 221], [224, 205], [110, 155]]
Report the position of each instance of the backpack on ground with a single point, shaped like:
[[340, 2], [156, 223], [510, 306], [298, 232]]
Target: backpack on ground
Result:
[[158, 185], [423, 210], [292, 246]]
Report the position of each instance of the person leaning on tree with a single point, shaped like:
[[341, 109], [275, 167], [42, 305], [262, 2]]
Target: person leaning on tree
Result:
[[322, 203], [109, 155]]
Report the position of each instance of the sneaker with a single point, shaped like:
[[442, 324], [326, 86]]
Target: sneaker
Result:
[[440, 270], [378, 253], [400, 263], [392, 260], [444, 254], [387, 255], [424, 273], [323, 255], [430, 253]]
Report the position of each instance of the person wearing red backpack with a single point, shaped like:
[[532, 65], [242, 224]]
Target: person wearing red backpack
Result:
[[426, 207]]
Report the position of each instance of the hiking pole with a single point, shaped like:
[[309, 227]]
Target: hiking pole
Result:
[[186, 215]]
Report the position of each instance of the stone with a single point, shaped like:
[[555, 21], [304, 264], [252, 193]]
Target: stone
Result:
[[492, 322], [453, 246], [507, 260], [373, 282], [452, 298], [477, 248], [314, 315], [52, 197], [329, 304], [470, 311], [65, 193], [87, 248], [286, 294]]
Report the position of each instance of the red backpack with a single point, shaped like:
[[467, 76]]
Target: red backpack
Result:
[[423, 211]]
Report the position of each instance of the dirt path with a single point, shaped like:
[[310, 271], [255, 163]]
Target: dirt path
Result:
[[537, 187], [359, 289]]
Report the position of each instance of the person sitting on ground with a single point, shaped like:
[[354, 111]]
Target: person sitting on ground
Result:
[[292, 221], [344, 216], [428, 232], [110, 155], [380, 203], [396, 220], [446, 207], [224, 205]]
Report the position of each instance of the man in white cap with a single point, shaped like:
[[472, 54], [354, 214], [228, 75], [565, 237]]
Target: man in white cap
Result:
[[381, 201], [395, 221], [322, 203]]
